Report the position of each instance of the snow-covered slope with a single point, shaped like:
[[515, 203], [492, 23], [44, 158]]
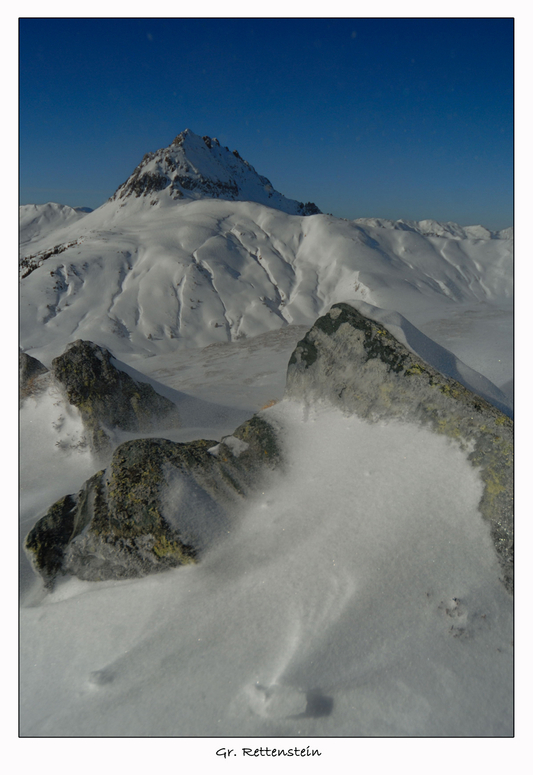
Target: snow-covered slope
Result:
[[145, 280]]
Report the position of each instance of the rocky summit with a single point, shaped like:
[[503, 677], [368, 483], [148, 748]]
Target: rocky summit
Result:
[[194, 167]]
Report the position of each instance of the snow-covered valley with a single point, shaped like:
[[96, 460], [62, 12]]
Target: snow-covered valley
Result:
[[356, 593]]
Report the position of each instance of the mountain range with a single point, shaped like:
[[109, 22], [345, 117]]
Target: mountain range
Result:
[[265, 465], [197, 248]]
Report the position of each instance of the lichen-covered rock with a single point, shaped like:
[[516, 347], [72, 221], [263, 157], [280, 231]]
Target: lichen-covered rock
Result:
[[157, 506], [356, 364], [107, 397], [30, 370], [47, 541]]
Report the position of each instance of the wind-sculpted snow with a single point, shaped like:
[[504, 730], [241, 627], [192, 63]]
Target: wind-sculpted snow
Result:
[[359, 358], [155, 507], [332, 566], [356, 594], [375, 364]]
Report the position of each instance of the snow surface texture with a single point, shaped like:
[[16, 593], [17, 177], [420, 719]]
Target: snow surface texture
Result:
[[355, 364], [358, 593]]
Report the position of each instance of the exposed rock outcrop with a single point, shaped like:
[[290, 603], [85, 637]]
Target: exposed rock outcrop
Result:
[[157, 505], [107, 397], [357, 365], [30, 369]]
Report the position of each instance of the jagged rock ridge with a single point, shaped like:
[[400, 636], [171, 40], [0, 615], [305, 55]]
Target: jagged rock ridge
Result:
[[196, 167]]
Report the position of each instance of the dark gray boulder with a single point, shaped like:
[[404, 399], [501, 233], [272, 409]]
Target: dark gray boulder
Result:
[[107, 397], [356, 364], [30, 372], [157, 506]]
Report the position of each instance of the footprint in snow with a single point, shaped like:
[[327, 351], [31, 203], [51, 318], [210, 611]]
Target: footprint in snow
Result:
[[454, 610], [101, 677], [278, 701]]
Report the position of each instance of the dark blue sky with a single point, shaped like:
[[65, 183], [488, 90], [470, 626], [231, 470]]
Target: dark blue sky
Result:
[[391, 118]]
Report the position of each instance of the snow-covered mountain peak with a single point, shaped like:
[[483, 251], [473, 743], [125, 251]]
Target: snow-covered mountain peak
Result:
[[194, 167]]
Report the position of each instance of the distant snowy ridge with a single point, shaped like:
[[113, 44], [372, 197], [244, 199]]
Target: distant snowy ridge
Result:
[[432, 228], [38, 221], [194, 167]]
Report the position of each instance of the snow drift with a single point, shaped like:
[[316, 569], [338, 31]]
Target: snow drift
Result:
[[356, 593]]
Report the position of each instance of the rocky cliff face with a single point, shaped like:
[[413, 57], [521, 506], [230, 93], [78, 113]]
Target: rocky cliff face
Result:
[[194, 167]]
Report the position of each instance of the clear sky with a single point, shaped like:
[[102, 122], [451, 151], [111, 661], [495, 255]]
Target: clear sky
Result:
[[390, 118]]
